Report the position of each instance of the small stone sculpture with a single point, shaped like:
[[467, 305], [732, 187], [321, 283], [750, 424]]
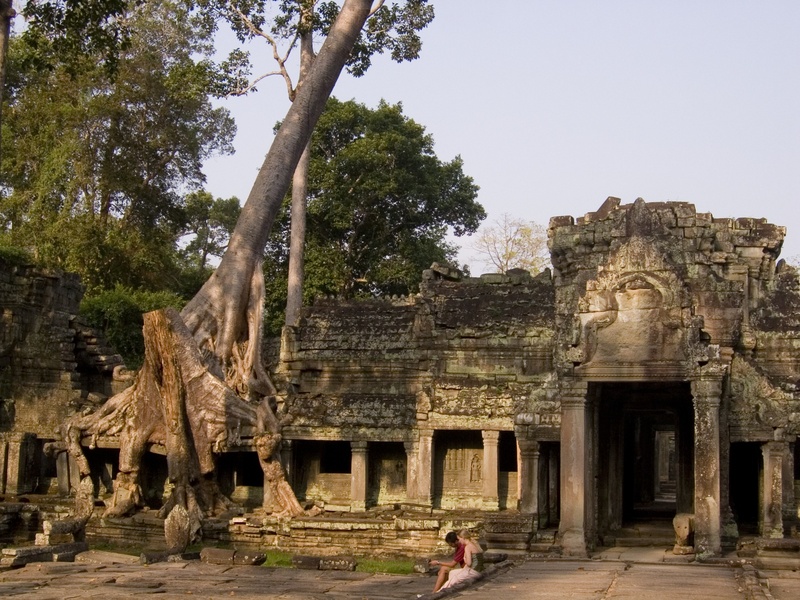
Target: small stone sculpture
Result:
[[683, 523]]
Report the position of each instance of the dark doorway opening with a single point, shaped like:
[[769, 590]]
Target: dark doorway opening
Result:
[[644, 454], [745, 478]]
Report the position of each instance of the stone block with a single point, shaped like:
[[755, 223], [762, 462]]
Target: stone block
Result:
[[310, 563], [337, 563], [217, 556], [249, 558]]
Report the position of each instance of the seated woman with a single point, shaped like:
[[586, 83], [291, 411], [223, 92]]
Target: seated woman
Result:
[[472, 561]]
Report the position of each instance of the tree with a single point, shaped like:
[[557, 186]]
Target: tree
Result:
[[391, 28], [99, 164], [72, 30], [380, 203], [203, 380], [210, 221], [511, 243], [7, 14]]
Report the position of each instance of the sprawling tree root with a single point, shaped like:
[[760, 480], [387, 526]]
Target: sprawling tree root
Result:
[[178, 402]]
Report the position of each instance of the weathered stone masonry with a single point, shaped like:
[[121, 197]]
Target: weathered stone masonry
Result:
[[51, 364], [654, 371], [660, 327]]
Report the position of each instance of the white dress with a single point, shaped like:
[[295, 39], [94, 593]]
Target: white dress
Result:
[[465, 573]]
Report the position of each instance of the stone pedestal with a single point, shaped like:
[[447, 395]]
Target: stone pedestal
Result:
[[358, 476], [490, 494], [706, 394], [572, 527]]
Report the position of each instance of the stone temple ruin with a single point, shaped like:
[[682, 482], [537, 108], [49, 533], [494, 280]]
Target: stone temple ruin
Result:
[[653, 373]]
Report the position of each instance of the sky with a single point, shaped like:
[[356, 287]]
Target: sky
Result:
[[554, 105]]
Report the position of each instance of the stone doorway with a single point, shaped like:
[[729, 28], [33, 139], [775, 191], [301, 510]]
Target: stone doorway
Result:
[[746, 465], [644, 454]]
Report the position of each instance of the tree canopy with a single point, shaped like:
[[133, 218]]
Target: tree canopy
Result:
[[512, 243], [97, 166], [380, 206]]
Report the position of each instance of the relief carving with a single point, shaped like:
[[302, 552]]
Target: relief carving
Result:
[[631, 312], [755, 401]]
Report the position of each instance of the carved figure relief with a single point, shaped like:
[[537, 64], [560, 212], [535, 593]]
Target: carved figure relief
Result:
[[475, 467], [630, 312]]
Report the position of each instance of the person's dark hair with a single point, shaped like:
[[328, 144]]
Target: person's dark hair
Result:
[[451, 537]]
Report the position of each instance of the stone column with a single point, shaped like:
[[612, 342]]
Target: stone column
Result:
[[491, 499], [358, 476], [572, 527], [529, 478], [771, 521], [412, 483], [706, 394], [789, 498], [425, 467], [286, 460]]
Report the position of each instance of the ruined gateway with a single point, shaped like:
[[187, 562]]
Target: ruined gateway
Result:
[[653, 372]]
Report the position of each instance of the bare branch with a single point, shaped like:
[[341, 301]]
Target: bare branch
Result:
[[250, 86], [251, 27]]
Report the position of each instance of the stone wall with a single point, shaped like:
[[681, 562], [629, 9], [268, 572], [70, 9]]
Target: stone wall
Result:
[[466, 351], [51, 365]]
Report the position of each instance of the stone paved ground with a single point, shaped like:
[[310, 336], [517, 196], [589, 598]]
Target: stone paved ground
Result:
[[599, 579]]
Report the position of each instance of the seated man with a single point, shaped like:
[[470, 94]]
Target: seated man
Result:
[[457, 561]]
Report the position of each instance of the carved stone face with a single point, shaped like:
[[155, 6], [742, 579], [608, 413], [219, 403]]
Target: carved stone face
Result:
[[683, 529]]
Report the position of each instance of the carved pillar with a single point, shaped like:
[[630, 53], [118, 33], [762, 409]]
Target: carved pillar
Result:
[[771, 521], [425, 467], [412, 483], [529, 478], [706, 395], [490, 480], [286, 460], [789, 498], [358, 476], [574, 485]]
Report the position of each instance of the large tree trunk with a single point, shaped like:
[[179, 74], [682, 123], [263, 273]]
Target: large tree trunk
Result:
[[297, 237], [203, 384], [217, 315], [7, 14]]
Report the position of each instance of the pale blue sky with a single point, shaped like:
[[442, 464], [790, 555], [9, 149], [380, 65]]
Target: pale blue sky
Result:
[[555, 105]]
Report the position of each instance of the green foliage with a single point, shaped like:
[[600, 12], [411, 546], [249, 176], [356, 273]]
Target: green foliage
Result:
[[72, 29], [95, 167], [211, 222], [394, 28], [118, 313], [380, 205], [12, 255]]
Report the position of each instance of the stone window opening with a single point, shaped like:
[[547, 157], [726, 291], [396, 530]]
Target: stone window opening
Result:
[[335, 458]]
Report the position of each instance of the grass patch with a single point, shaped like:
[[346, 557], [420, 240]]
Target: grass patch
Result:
[[278, 558], [392, 566], [117, 548]]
